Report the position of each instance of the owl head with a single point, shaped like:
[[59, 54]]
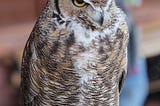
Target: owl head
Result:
[[97, 12]]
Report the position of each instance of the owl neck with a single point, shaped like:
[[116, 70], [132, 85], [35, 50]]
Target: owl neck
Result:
[[50, 11]]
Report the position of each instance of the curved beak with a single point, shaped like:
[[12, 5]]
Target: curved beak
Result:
[[97, 13], [101, 20]]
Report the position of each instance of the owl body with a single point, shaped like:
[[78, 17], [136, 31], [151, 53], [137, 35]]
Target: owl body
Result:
[[74, 58]]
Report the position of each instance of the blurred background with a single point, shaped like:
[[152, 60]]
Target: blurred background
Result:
[[142, 86]]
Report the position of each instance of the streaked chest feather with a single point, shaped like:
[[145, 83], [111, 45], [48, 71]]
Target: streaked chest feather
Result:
[[92, 54], [91, 50]]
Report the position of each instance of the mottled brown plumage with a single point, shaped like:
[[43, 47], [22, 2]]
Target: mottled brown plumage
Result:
[[75, 56]]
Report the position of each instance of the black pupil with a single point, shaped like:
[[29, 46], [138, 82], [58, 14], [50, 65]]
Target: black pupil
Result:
[[80, 1]]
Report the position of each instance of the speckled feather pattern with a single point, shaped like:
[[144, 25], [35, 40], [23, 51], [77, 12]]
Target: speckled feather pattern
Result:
[[74, 62]]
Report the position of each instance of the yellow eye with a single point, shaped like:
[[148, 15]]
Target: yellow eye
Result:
[[79, 3]]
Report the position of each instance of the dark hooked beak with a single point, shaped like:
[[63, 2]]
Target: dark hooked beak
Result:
[[101, 20], [97, 14], [100, 16]]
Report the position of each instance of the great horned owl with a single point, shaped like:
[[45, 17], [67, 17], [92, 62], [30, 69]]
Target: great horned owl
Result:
[[75, 55]]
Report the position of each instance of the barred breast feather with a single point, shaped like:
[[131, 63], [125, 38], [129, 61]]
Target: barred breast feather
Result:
[[72, 60]]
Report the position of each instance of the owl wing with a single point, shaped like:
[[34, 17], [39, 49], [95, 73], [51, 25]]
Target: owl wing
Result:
[[35, 66], [33, 78], [26, 74], [123, 31]]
